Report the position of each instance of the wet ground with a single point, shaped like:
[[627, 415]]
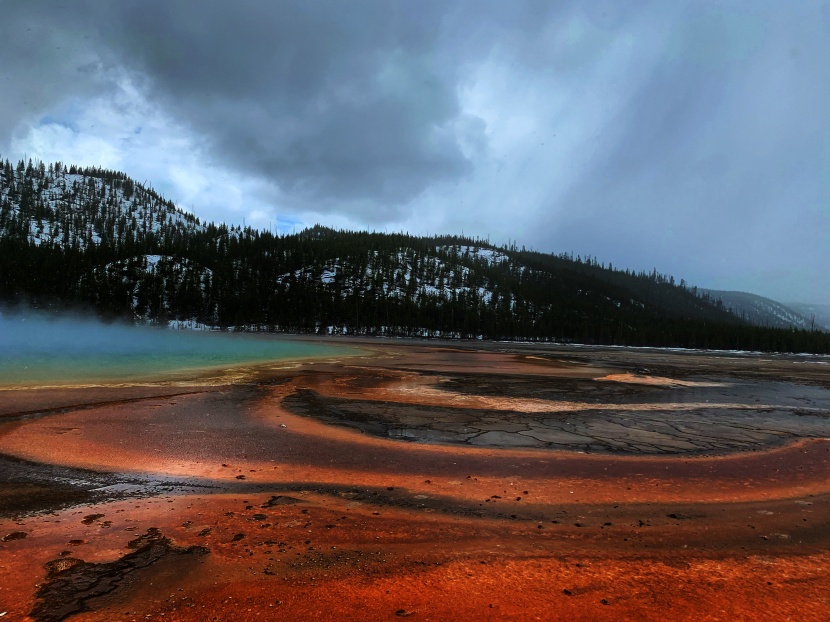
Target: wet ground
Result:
[[618, 413], [432, 482]]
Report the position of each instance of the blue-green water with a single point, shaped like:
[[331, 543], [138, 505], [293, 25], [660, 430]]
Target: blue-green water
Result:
[[35, 350]]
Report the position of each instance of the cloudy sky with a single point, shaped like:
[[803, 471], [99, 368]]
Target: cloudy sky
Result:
[[690, 136]]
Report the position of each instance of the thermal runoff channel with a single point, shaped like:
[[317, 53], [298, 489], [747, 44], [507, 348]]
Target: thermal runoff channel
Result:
[[36, 349]]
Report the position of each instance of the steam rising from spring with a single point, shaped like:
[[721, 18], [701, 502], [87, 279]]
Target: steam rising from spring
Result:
[[37, 349]]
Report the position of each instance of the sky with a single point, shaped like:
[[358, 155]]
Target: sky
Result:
[[688, 136]]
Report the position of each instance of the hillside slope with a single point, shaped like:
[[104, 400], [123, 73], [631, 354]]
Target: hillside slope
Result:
[[98, 240], [760, 311], [817, 315]]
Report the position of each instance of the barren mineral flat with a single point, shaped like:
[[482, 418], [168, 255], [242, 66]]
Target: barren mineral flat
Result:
[[437, 481]]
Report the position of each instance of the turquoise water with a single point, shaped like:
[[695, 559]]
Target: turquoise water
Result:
[[48, 351]]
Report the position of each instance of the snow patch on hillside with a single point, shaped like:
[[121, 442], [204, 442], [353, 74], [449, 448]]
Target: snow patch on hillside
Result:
[[759, 310], [490, 256], [408, 274], [74, 209]]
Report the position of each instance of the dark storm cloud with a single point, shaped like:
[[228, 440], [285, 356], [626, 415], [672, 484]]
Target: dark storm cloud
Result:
[[720, 162], [351, 103], [42, 62], [353, 100]]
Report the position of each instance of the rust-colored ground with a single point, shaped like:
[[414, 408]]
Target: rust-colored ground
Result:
[[241, 503]]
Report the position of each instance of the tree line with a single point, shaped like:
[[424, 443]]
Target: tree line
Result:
[[97, 240]]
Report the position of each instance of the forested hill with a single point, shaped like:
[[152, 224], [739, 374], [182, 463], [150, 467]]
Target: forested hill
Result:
[[97, 240]]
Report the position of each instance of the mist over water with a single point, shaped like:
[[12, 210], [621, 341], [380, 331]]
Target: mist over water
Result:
[[39, 349]]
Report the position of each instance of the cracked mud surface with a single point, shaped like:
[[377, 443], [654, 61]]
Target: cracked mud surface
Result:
[[72, 584], [640, 416], [403, 485]]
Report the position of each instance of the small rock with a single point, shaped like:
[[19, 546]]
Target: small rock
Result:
[[56, 566], [280, 500], [15, 535], [88, 520]]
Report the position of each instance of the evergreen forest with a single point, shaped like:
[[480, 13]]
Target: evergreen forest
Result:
[[95, 240]]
